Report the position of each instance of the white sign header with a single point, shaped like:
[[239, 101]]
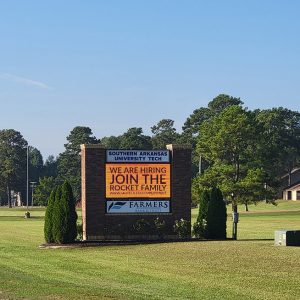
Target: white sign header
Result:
[[134, 156], [139, 207]]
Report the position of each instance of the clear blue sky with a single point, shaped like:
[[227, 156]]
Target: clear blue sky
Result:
[[112, 65]]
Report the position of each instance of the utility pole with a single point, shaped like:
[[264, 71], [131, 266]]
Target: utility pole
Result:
[[235, 218], [265, 187], [32, 185], [200, 165], [27, 214]]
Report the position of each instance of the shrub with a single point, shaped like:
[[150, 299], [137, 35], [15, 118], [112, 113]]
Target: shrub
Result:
[[160, 227], [199, 227], [142, 227], [203, 205], [64, 215], [182, 228], [56, 217], [216, 216], [119, 229], [79, 232], [71, 214], [195, 192], [48, 218]]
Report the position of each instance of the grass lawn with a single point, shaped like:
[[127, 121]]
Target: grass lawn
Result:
[[250, 268]]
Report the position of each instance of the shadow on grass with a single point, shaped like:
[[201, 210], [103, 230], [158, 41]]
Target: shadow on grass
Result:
[[103, 243], [252, 240], [19, 218]]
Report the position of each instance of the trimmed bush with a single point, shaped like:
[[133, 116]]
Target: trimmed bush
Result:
[[199, 228], [121, 230], [203, 205], [56, 214], [67, 195], [160, 227], [48, 218], [182, 228], [79, 232], [64, 228], [216, 216], [142, 227]]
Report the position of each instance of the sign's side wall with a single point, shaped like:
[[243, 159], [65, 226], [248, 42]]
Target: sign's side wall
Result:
[[83, 192], [181, 182], [93, 191]]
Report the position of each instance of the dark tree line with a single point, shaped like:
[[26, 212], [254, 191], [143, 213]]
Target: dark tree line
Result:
[[243, 152]]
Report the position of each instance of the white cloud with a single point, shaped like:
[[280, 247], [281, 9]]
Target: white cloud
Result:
[[24, 80]]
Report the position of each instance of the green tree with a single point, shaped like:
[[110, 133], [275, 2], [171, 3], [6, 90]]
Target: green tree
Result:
[[216, 216], [191, 127], [50, 167], [35, 167], [221, 102], [202, 114], [3, 197], [192, 124], [12, 162], [35, 163], [164, 133], [69, 161], [190, 132], [49, 218], [111, 142], [203, 206], [43, 190], [64, 227], [229, 143], [280, 142], [134, 139], [79, 135]]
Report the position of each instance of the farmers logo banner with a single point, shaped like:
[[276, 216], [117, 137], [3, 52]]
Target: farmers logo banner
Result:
[[138, 181], [140, 206]]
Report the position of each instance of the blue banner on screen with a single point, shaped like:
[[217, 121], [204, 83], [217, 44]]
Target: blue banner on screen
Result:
[[137, 156]]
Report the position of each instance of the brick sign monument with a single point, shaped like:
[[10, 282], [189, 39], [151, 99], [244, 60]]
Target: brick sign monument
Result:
[[120, 187]]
